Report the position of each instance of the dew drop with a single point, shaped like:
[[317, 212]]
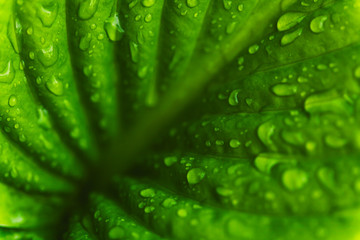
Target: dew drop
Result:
[[48, 56], [294, 179], [253, 49], [84, 43], [148, 18], [233, 98], [357, 72], [284, 89], [195, 175], [12, 101], [134, 52], [227, 4], [149, 209], [147, 193], [225, 192], [169, 161], [168, 203], [7, 74], [317, 24], [290, 37], [230, 27], [113, 28], [87, 9], [182, 213], [55, 86], [289, 20], [192, 3], [234, 143], [148, 3], [116, 232], [48, 13]]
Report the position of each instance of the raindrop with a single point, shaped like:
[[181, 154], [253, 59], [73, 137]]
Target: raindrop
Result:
[[55, 86], [134, 52], [182, 213], [148, 18], [294, 179], [7, 75], [147, 193], [356, 72], [12, 101], [284, 89], [116, 232], [253, 49], [87, 9], [48, 56], [169, 161], [148, 3], [289, 20], [227, 4], [47, 14], [192, 3], [113, 28], [290, 37], [233, 98], [195, 175], [168, 203], [317, 24]]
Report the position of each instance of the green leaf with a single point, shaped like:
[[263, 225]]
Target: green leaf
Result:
[[179, 119]]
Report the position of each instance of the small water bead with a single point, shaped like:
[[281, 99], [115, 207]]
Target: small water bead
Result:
[[31, 55], [48, 56], [290, 37], [195, 175], [55, 86], [317, 24], [113, 28], [148, 3], [227, 4], [192, 3], [149, 209], [87, 9], [134, 51], [230, 28], [289, 20], [225, 192], [147, 193], [240, 7], [294, 179], [48, 13], [253, 49], [12, 101], [234, 143], [182, 213], [357, 72]]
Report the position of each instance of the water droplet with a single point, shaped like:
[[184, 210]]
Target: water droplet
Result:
[[335, 141], [317, 24], [169, 161], [182, 213], [149, 209], [294, 179], [87, 8], [230, 27], [326, 176], [253, 49], [31, 55], [148, 3], [192, 3], [134, 52], [290, 37], [116, 232], [225, 192], [233, 98], [227, 4], [148, 18], [327, 102], [48, 56], [11, 33], [12, 101], [148, 193], [289, 20], [113, 28], [241, 7], [7, 74], [284, 89], [48, 13], [195, 175], [264, 162], [357, 72], [265, 132], [168, 203], [55, 86], [84, 43], [234, 143]]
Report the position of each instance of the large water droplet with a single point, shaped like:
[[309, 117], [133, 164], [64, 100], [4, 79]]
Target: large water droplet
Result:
[[264, 162], [7, 75], [289, 20], [168, 203], [48, 13], [87, 9], [234, 143], [55, 86], [284, 89], [233, 98], [148, 193], [113, 28], [290, 37], [48, 56], [227, 4], [192, 3], [148, 3], [294, 179], [12, 101], [265, 132], [195, 175], [317, 24], [116, 232], [182, 213]]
